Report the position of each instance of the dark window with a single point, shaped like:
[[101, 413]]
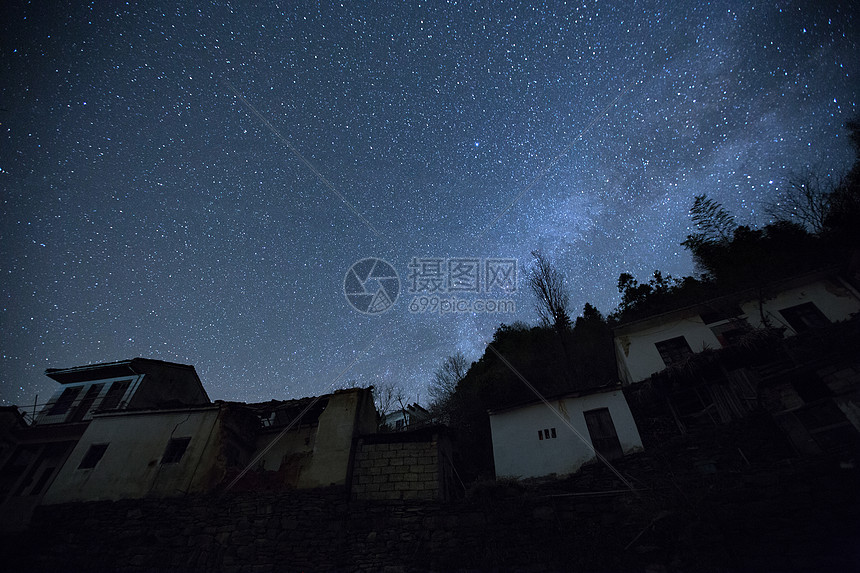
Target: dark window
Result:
[[15, 466], [602, 432], [115, 394], [730, 332], [674, 350], [65, 401], [546, 434], [49, 459], [804, 317], [86, 403], [28, 479], [37, 489], [174, 450], [92, 457]]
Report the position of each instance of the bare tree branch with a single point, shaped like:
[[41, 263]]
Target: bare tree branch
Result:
[[547, 284], [447, 376], [806, 200], [444, 385], [386, 397]]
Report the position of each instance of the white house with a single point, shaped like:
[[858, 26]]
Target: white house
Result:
[[140, 427], [403, 418], [533, 440], [647, 346], [33, 454], [136, 454]]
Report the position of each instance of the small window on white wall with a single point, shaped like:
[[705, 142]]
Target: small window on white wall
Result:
[[804, 317], [175, 450], [674, 350], [546, 434], [93, 456]]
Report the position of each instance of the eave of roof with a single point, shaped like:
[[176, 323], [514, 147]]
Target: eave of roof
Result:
[[576, 394], [104, 370]]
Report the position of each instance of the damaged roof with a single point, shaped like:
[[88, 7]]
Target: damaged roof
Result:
[[279, 413]]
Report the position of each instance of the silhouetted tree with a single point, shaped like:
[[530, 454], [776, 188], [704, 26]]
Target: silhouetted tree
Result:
[[634, 295], [593, 350], [547, 284], [715, 224], [840, 222], [388, 397], [805, 200], [444, 385]]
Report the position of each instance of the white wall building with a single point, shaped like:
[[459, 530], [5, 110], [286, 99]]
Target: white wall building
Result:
[[138, 454], [647, 346], [531, 440]]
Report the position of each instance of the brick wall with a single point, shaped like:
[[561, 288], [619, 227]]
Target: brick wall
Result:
[[400, 466]]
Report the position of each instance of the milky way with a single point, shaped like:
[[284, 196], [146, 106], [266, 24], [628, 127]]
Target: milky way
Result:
[[193, 185]]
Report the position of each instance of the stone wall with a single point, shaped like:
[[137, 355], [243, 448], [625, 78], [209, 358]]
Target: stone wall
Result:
[[762, 517], [401, 466], [728, 500]]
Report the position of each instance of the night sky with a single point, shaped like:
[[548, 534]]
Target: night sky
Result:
[[193, 185]]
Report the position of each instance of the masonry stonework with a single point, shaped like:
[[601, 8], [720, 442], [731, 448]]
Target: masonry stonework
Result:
[[784, 517], [397, 471]]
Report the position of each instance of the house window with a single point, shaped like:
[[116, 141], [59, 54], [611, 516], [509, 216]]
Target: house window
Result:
[[86, 403], [46, 464], [804, 317], [46, 475], [175, 450], [92, 457], [65, 401], [730, 332], [15, 467], [674, 351], [114, 394], [546, 434], [602, 432]]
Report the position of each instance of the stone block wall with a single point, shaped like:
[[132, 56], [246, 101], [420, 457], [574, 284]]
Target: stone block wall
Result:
[[399, 466], [760, 517]]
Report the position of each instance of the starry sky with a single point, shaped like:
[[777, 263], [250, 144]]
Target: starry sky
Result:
[[193, 184]]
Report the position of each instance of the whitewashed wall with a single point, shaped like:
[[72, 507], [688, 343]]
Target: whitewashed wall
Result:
[[832, 298], [130, 467], [518, 452], [637, 355]]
